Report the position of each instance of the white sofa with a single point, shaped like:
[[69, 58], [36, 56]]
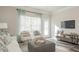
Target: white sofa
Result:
[[13, 46], [9, 44]]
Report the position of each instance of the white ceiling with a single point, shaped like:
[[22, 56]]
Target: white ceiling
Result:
[[50, 8]]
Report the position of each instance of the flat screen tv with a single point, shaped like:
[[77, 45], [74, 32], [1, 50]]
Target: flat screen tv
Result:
[[68, 24]]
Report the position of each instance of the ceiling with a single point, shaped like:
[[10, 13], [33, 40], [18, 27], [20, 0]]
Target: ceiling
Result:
[[51, 8]]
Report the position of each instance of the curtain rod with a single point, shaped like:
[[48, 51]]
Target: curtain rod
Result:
[[30, 11]]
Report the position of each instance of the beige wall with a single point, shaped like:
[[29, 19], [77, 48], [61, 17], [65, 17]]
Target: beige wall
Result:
[[8, 14], [68, 14]]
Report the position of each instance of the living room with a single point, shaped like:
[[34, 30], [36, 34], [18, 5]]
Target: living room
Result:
[[44, 21]]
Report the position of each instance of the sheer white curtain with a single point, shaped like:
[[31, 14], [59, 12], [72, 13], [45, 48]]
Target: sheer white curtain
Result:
[[46, 25], [29, 21]]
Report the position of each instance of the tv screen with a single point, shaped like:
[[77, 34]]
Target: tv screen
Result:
[[68, 24]]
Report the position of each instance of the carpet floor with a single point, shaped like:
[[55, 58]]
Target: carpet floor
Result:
[[60, 47]]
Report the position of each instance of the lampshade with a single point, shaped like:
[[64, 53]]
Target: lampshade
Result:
[[3, 26]]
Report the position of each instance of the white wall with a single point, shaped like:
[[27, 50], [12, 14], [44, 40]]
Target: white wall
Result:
[[68, 14]]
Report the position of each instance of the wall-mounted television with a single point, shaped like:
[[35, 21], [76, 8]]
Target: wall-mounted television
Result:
[[68, 24]]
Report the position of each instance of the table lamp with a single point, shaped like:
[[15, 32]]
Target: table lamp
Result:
[[3, 26]]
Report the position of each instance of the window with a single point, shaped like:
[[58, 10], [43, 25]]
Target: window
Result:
[[30, 21]]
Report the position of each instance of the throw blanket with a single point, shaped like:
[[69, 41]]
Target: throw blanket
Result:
[[2, 46]]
